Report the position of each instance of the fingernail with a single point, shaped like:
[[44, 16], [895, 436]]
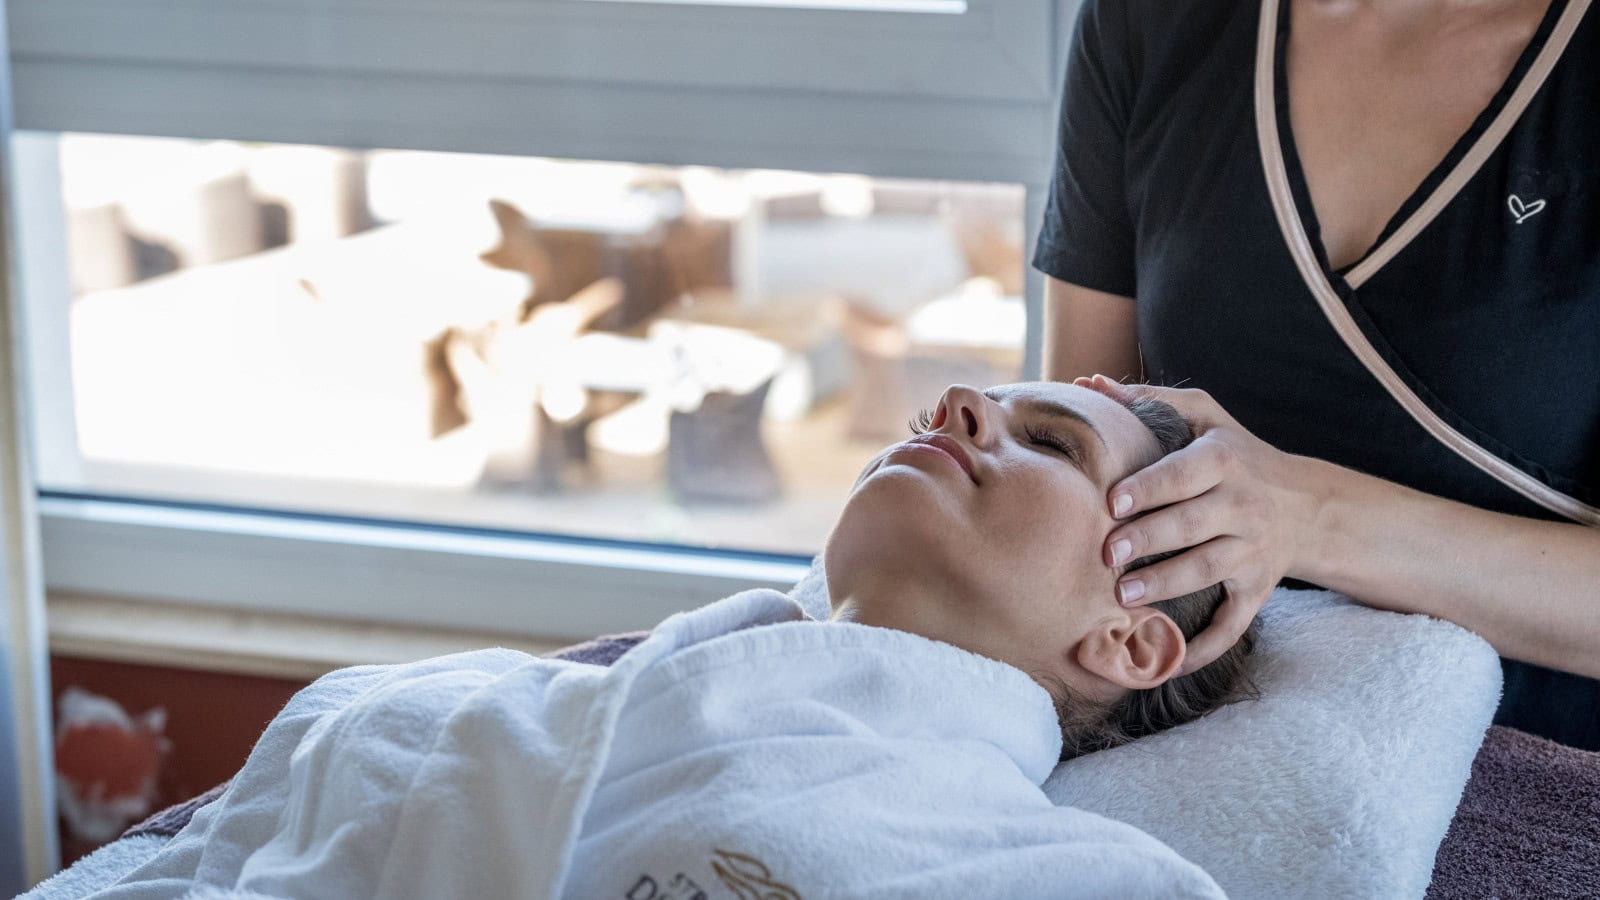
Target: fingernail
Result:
[[1130, 590], [1120, 549], [1120, 504]]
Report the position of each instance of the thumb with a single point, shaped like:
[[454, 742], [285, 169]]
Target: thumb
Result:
[[1112, 388]]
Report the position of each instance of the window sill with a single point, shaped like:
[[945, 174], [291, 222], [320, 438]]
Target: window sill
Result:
[[277, 645], [411, 579]]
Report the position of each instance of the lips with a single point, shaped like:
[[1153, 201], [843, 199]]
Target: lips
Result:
[[951, 448]]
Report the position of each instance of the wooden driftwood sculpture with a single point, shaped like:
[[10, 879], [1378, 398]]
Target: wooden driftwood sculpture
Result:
[[516, 383], [655, 265], [532, 383]]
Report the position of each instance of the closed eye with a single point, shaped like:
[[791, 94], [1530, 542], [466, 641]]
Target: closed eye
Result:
[[1046, 437]]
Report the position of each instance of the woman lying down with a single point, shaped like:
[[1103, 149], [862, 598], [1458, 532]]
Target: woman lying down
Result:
[[744, 750]]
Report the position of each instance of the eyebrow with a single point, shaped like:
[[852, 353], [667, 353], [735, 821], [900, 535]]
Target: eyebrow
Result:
[[1059, 410]]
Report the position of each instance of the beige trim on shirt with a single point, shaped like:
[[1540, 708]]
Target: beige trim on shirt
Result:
[[1305, 257]]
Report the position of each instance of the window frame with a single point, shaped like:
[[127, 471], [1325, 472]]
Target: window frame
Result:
[[404, 573], [212, 69], [27, 757]]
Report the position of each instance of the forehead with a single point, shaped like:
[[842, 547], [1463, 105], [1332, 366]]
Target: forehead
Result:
[[1129, 444]]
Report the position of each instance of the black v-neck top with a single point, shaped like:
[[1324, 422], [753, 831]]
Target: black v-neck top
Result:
[[1490, 314]]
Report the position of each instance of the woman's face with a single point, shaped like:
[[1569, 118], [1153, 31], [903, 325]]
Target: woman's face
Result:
[[985, 531]]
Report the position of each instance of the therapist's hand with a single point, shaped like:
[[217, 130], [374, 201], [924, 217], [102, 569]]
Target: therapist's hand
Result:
[[1244, 508]]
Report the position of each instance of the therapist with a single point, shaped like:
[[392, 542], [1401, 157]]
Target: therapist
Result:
[[1361, 241]]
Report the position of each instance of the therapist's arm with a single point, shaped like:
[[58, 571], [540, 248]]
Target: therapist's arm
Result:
[[1088, 331], [1531, 588]]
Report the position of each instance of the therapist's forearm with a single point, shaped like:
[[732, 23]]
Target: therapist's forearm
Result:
[[1531, 588]]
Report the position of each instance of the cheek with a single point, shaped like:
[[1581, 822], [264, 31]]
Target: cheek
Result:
[[1053, 525]]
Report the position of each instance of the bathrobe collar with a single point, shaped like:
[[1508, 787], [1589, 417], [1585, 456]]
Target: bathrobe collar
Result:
[[898, 684]]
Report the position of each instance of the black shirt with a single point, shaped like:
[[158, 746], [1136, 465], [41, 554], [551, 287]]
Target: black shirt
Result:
[[1490, 313]]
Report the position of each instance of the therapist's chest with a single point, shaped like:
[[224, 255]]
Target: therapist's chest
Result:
[[1376, 102]]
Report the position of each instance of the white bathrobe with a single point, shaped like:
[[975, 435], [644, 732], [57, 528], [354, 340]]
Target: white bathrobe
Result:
[[714, 760]]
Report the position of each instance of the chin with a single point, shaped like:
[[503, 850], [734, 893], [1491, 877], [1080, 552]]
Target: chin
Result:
[[896, 521], [900, 484], [902, 498]]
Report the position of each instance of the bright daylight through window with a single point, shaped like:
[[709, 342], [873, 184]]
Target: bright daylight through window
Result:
[[676, 355]]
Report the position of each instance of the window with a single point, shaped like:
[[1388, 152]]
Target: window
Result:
[[241, 342], [670, 355]]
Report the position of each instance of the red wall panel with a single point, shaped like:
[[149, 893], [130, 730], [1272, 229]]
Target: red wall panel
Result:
[[212, 721]]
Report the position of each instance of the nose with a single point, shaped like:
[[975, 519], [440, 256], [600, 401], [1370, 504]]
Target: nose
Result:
[[966, 410]]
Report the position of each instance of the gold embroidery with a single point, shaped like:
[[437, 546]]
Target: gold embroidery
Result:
[[749, 878]]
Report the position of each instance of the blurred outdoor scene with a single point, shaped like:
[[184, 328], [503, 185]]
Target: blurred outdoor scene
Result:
[[678, 355]]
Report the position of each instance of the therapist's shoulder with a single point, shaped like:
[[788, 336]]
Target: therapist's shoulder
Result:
[[1140, 34]]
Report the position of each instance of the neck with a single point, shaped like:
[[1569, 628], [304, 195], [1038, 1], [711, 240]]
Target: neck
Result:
[[864, 598], [1397, 26], [1413, 9]]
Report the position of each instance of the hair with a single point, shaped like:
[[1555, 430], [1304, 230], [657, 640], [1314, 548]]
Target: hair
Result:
[[1087, 726]]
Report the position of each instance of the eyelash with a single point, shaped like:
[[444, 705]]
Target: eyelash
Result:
[[1050, 439], [922, 423]]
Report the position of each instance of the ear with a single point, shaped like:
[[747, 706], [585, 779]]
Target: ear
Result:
[[1138, 649]]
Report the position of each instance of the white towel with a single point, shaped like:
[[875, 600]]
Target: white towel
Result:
[[716, 759], [1340, 781]]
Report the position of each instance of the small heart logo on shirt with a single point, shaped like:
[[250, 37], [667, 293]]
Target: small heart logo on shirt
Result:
[[1523, 211]]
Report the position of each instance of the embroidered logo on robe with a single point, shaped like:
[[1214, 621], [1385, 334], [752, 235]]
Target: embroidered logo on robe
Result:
[[749, 878]]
